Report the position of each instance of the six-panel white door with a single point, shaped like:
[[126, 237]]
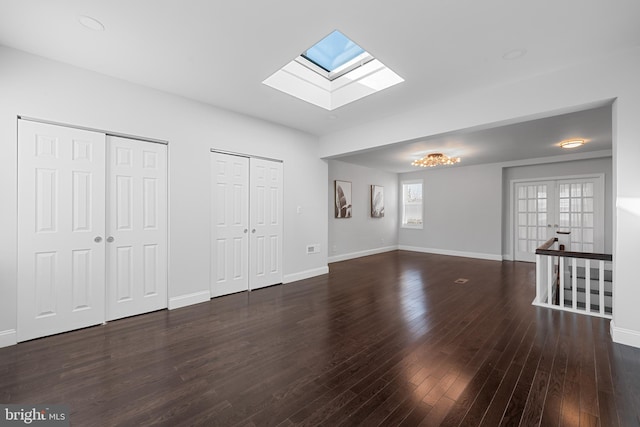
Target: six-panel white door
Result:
[[61, 229], [265, 259], [137, 227], [229, 224]]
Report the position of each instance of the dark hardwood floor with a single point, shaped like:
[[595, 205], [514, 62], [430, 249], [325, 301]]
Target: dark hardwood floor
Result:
[[386, 340]]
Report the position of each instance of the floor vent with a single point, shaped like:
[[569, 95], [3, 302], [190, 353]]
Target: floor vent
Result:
[[461, 281]]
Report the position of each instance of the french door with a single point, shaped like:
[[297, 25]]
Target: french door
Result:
[[543, 208], [246, 223], [92, 228]]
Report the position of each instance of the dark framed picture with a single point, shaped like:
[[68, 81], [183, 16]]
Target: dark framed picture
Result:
[[342, 199], [377, 201]]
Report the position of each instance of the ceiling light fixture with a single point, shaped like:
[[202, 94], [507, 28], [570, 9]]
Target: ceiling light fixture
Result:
[[435, 159], [572, 143], [90, 23]]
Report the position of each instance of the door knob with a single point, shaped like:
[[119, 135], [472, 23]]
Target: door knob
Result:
[[253, 231], [98, 239], [245, 231], [110, 239]]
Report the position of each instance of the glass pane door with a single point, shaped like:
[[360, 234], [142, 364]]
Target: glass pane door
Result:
[[577, 202], [534, 210], [572, 205]]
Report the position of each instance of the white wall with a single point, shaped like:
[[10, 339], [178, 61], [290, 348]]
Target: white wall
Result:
[[555, 170], [462, 212], [35, 87], [362, 235], [614, 77]]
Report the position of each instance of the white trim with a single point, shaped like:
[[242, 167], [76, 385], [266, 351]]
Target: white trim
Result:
[[189, 299], [106, 133], [625, 336], [478, 255], [571, 310], [507, 257], [8, 338], [360, 254], [307, 274]]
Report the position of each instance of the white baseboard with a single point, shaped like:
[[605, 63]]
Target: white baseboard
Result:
[[478, 255], [625, 336], [8, 337], [507, 257], [359, 254], [307, 274], [189, 299]]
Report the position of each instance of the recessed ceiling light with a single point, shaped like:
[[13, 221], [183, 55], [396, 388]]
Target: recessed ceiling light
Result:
[[514, 54], [572, 143], [90, 23]]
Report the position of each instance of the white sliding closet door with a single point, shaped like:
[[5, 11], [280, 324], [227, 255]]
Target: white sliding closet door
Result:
[[137, 227], [229, 224], [61, 229], [266, 222], [92, 228], [246, 227]]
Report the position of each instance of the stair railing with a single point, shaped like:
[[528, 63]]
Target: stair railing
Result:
[[560, 273]]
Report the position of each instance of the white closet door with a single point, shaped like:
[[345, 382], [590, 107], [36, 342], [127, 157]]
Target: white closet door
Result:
[[137, 227], [266, 223], [230, 223], [61, 249]]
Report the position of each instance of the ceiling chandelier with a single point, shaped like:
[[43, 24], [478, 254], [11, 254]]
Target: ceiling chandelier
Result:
[[435, 159]]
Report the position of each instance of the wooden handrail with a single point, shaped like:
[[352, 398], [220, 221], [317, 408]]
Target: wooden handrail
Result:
[[544, 250], [546, 245]]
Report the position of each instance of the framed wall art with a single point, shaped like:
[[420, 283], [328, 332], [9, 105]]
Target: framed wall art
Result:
[[377, 201], [342, 199]]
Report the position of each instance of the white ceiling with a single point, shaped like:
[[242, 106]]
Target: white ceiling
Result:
[[534, 139], [219, 52]]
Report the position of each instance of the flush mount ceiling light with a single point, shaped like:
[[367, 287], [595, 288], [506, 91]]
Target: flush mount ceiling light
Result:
[[90, 23], [572, 143], [435, 159], [333, 72]]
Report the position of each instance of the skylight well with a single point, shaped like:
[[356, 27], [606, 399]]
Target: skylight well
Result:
[[332, 73]]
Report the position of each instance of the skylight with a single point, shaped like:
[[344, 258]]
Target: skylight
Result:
[[333, 72], [333, 51]]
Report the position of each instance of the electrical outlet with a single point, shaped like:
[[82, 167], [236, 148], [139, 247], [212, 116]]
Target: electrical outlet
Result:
[[313, 249]]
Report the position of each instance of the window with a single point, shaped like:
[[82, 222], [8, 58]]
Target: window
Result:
[[412, 204], [333, 51], [333, 72]]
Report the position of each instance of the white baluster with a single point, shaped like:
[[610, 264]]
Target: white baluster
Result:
[[549, 280], [587, 281], [601, 286], [574, 283], [561, 300]]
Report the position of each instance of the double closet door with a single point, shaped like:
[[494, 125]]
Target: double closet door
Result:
[[246, 223], [92, 228]]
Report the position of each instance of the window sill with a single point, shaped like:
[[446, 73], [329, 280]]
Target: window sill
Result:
[[412, 226]]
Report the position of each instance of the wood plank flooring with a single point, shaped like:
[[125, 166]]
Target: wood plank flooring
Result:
[[385, 340]]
